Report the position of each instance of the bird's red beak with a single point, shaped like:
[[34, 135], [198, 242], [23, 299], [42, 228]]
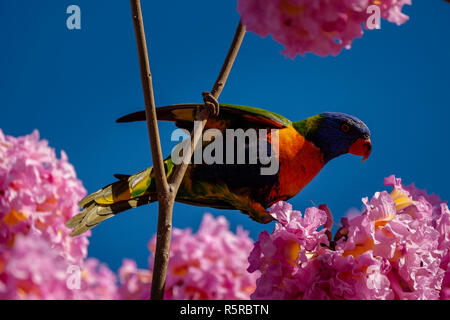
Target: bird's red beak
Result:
[[361, 147]]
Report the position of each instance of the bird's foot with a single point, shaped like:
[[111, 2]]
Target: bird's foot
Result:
[[212, 103], [258, 213]]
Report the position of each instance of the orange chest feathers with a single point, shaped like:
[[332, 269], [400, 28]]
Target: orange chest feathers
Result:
[[299, 162]]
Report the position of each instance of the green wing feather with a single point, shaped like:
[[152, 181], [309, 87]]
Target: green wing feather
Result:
[[129, 192], [230, 116], [139, 189]]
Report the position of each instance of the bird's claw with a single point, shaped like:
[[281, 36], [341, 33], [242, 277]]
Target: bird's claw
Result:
[[212, 103]]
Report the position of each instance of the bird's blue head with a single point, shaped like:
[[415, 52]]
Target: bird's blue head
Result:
[[336, 134]]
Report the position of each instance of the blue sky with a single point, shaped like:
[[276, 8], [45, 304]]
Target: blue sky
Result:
[[72, 85]]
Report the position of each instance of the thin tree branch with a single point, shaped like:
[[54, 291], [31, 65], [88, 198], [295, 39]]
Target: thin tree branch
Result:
[[178, 175], [165, 198], [150, 108], [180, 170], [167, 192], [196, 134], [229, 60], [162, 250]]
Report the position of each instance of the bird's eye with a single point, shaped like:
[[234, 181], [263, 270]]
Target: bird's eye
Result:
[[345, 127]]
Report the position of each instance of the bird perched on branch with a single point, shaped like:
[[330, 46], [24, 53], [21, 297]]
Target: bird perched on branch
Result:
[[303, 148]]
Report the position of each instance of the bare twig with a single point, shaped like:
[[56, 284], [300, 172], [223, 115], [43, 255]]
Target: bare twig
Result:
[[229, 60], [178, 175], [165, 202], [150, 109], [167, 191]]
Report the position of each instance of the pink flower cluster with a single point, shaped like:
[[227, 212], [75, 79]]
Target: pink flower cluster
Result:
[[39, 260], [210, 264], [322, 27], [38, 194], [398, 248], [32, 269]]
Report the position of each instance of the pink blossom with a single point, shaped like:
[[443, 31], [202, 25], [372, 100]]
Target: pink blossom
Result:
[[334, 276], [32, 269], [38, 194], [98, 282], [135, 283], [397, 248], [279, 256], [321, 26], [443, 227], [209, 264], [405, 237]]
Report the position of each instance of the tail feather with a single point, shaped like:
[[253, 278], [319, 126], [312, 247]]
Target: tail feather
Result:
[[113, 199], [119, 176], [88, 199]]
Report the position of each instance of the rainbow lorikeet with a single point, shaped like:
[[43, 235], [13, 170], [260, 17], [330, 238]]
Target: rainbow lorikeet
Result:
[[304, 147]]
